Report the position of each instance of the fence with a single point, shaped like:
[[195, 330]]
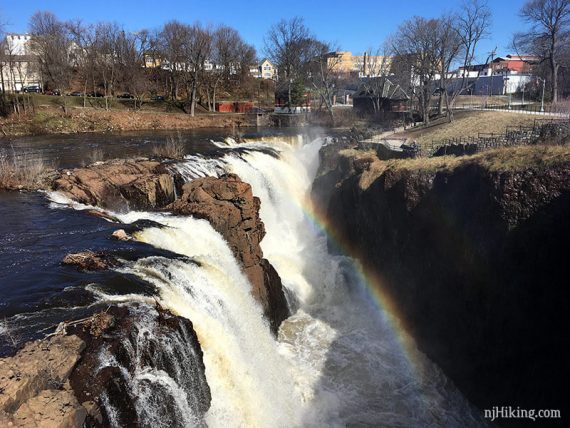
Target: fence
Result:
[[534, 108], [513, 136]]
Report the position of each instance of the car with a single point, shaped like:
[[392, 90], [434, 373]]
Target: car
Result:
[[158, 98], [76, 94], [126, 95], [56, 92], [32, 88], [95, 94]]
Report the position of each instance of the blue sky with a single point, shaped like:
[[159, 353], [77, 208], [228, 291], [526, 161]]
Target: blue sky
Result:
[[353, 25]]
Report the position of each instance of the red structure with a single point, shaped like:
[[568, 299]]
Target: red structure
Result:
[[234, 107]]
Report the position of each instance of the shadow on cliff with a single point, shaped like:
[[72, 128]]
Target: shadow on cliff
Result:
[[476, 263]]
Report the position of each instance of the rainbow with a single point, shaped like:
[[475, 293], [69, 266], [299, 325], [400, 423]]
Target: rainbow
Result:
[[371, 282]]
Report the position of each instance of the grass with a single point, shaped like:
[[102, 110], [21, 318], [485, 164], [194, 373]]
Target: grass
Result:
[[467, 124], [504, 159]]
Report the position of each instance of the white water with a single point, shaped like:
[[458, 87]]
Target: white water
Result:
[[337, 361]]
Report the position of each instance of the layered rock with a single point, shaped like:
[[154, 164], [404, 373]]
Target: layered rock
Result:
[[473, 253], [133, 354], [34, 387], [119, 185], [232, 210]]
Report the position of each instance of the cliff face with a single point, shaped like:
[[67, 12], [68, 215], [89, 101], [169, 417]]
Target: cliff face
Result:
[[232, 210], [475, 258]]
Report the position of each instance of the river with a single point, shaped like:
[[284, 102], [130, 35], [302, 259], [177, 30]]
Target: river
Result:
[[340, 360]]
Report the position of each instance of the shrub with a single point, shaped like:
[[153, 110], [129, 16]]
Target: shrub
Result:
[[172, 149], [23, 171]]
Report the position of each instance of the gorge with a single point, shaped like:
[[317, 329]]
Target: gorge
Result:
[[240, 299]]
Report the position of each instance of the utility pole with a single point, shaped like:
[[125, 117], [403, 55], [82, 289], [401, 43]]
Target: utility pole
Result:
[[542, 101]]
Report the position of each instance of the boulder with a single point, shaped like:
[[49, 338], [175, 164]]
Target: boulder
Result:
[[121, 235], [89, 260], [119, 185]]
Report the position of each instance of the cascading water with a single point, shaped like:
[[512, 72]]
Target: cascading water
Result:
[[337, 361]]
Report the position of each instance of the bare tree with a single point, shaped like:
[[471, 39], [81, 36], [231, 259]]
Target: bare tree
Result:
[[51, 43], [230, 56], [548, 36], [171, 45], [323, 72], [84, 55], [471, 25], [416, 46], [129, 52], [106, 61], [286, 44], [448, 50], [196, 53]]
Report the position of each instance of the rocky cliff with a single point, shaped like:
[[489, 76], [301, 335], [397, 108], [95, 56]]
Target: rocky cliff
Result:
[[119, 185], [232, 210], [226, 202], [473, 251]]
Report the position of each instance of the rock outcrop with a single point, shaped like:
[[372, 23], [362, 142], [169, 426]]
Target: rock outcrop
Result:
[[232, 210], [89, 260], [70, 378], [133, 353], [473, 252], [34, 387], [119, 185]]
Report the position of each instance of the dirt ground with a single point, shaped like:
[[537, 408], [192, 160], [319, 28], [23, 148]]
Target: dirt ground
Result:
[[54, 121]]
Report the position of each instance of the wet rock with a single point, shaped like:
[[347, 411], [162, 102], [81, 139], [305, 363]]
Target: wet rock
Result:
[[121, 235], [124, 343], [119, 185], [102, 361], [89, 260], [232, 210]]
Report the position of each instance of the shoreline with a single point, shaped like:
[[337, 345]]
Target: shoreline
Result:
[[80, 120]]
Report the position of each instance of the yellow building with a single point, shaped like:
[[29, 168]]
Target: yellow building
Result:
[[361, 65]]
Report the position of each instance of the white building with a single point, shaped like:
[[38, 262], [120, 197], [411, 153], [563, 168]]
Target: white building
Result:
[[265, 70], [18, 66]]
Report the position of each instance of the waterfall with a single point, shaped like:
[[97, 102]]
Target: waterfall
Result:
[[337, 360]]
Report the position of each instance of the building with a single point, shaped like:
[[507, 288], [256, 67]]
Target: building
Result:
[[502, 76], [264, 70], [364, 65], [18, 66], [382, 96]]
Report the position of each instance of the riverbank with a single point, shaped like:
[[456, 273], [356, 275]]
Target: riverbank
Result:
[[78, 120]]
